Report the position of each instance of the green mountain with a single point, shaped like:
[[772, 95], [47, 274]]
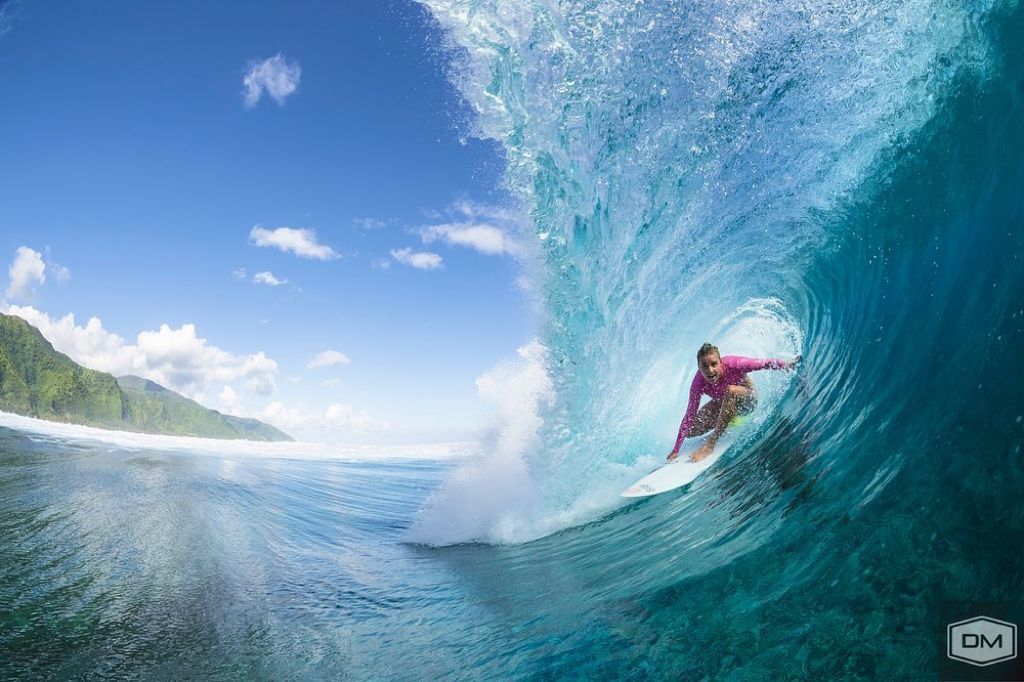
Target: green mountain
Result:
[[37, 381], [155, 409]]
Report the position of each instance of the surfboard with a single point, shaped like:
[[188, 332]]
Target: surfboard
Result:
[[680, 471]]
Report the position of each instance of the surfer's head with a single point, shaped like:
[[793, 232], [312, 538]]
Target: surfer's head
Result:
[[709, 362]]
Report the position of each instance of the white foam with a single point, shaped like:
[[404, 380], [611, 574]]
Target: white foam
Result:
[[492, 497], [235, 448]]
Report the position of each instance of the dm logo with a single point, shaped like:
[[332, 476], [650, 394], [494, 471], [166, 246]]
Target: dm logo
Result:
[[981, 641]]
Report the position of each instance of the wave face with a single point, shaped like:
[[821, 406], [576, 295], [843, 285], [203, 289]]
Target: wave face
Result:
[[779, 179], [841, 180]]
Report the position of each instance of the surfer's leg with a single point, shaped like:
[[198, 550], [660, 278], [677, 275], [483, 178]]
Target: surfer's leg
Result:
[[737, 398], [706, 419], [734, 395], [746, 404]]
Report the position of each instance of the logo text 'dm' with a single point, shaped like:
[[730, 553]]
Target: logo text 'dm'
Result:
[[981, 641]]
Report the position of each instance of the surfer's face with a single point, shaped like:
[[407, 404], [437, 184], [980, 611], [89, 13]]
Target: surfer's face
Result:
[[711, 367]]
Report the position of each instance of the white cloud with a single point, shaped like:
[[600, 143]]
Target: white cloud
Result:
[[261, 382], [185, 361], [8, 13], [301, 242], [240, 273], [331, 382], [490, 230], [423, 260], [485, 238], [382, 264], [175, 358], [276, 76], [328, 358], [27, 270], [60, 272], [268, 278], [371, 223], [472, 210], [283, 417], [337, 417], [228, 400]]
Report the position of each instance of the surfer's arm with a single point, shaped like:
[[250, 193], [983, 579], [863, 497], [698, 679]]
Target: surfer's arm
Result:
[[691, 414], [754, 364]]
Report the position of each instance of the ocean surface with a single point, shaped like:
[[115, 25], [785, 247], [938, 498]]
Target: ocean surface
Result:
[[842, 180]]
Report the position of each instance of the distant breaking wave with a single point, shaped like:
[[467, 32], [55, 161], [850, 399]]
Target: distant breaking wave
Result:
[[42, 428]]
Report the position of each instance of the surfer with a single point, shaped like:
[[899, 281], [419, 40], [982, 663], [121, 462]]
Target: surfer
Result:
[[732, 394]]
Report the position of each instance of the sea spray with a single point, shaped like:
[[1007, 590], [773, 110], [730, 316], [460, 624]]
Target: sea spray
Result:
[[489, 497]]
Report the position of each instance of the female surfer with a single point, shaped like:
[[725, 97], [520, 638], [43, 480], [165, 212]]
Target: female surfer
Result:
[[732, 394]]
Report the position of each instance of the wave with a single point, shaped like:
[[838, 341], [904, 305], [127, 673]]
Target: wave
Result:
[[788, 178], [57, 431]]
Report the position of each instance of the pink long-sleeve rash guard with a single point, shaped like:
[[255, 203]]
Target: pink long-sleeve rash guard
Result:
[[734, 372]]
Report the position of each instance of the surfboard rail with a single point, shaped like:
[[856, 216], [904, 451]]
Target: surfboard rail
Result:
[[680, 471]]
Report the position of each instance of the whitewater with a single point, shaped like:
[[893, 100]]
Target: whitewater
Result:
[[839, 180]]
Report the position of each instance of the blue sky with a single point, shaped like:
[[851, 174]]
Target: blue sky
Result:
[[141, 186]]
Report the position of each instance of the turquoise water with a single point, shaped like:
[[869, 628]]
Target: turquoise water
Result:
[[842, 180], [126, 561]]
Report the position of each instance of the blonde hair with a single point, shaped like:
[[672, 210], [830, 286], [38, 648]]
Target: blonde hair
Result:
[[708, 349]]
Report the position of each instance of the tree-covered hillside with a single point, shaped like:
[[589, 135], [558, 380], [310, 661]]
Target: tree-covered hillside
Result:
[[38, 381]]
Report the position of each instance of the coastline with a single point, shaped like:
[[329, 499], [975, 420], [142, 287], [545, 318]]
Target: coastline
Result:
[[239, 447]]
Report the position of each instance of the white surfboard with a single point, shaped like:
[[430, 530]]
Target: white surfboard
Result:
[[681, 470], [675, 474]]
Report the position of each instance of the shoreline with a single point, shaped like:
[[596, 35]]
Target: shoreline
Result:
[[240, 447]]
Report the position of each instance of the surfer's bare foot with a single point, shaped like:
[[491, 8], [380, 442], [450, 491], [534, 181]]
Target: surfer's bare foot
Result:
[[703, 452], [672, 456]]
